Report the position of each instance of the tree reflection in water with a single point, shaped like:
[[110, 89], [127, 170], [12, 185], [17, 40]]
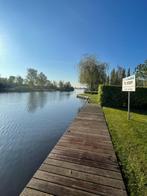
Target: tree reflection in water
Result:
[[38, 100]]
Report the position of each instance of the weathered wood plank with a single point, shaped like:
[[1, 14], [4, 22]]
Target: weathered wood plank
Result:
[[83, 176], [56, 189], [85, 148], [89, 124], [88, 143], [85, 162], [33, 192], [90, 136], [108, 159], [87, 131], [75, 149], [83, 168], [77, 183]]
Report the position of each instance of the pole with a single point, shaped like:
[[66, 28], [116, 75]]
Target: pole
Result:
[[128, 105]]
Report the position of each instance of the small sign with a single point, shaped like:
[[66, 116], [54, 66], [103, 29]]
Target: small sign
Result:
[[129, 84]]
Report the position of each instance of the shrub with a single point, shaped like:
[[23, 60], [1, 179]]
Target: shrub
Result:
[[112, 96]]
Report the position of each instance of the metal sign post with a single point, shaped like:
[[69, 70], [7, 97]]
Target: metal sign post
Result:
[[129, 85], [128, 105]]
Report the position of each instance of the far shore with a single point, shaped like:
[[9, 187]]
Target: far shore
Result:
[[33, 90]]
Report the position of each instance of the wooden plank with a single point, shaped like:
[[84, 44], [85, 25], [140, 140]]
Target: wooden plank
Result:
[[85, 140], [86, 148], [88, 143], [84, 114], [85, 162], [89, 124], [89, 119], [88, 138], [83, 168], [33, 192], [103, 158], [83, 128], [87, 131], [97, 135], [78, 184], [80, 127], [115, 183], [78, 149], [56, 189]]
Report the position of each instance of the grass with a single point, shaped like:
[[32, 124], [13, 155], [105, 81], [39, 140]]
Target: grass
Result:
[[93, 98], [130, 143]]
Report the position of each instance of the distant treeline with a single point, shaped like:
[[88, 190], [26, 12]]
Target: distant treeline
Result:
[[33, 81], [140, 71], [93, 73]]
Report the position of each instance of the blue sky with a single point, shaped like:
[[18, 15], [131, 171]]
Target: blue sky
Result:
[[52, 35]]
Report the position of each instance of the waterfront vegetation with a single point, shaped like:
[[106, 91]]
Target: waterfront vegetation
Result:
[[93, 72], [33, 81]]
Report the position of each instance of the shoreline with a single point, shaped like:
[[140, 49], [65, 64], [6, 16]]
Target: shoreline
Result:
[[30, 90]]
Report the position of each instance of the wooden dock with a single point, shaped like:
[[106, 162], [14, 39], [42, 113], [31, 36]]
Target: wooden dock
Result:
[[83, 163]]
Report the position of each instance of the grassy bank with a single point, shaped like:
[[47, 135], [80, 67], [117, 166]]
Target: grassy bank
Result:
[[93, 98], [130, 142]]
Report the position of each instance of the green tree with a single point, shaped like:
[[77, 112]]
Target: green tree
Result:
[[19, 80], [117, 75], [31, 77], [129, 72], [54, 85], [121, 73], [11, 79], [61, 85], [48, 84], [141, 74], [141, 70], [113, 77], [108, 80], [92, 72], [67, 85], [41, 80]]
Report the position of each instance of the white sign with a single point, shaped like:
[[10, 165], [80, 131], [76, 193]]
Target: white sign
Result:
[[129, 84]]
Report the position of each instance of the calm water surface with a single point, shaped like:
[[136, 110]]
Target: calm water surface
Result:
[[30, 125]]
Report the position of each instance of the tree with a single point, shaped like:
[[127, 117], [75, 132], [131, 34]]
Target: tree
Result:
[[48, 84], [121, 73], [128, 73], [11, 79], [54, 84], [141, 70], [108, 80], [141, 74], [113, 77], [117, 75], [19, 80], [41, 80], [67, 86], [3, 83], [61, 85], [92, 72], [31, 77]]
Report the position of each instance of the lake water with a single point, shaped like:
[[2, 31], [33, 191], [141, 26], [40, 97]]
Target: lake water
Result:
[[30, 125]]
